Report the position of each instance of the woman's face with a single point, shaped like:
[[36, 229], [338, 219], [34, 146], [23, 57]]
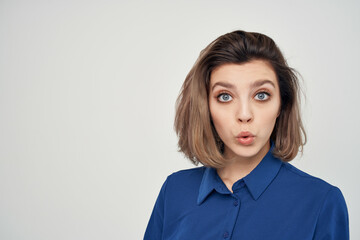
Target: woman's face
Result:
[[244, 101]]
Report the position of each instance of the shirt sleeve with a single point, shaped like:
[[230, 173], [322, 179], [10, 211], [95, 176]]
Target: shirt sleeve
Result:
[[333, 220], [155, 226]]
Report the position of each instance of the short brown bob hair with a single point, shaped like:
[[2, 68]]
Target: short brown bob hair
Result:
[[198, 139]]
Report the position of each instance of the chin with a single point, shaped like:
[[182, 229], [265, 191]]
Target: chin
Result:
[[247, 154], [249, 151]]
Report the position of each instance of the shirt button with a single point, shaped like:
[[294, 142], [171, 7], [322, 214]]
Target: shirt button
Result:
[[226, 235], [236, 203]]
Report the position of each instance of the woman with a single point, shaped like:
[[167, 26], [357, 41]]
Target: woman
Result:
[[238, 115]]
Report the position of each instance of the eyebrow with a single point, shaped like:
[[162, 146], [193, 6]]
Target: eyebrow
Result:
[[223, 84], [262, 82], [253, 85]]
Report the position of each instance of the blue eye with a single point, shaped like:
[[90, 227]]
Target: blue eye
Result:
[[224, 97], [262, 96]]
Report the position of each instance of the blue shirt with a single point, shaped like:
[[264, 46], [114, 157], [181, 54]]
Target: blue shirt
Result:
[[275, 201]]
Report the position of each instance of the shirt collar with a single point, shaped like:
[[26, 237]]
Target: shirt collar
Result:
[[256, 181]]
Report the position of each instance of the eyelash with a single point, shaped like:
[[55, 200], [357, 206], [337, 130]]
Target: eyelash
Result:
[[261, 91], [266, 93], [221, 94]]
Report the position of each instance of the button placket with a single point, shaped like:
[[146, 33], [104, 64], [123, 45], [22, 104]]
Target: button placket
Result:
[[232, 216]]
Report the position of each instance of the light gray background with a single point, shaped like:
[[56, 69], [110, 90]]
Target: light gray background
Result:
[[87, 94]]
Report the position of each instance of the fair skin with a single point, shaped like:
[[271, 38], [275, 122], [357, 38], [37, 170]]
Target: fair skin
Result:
[[244, 102]]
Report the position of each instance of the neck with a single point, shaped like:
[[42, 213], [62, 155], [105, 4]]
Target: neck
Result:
[[238, 167]]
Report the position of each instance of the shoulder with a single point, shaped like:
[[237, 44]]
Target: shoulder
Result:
[[188, 172], [325, 200], [186, 176], [312, 190], [183, 185], [302, 182], [300, 176]]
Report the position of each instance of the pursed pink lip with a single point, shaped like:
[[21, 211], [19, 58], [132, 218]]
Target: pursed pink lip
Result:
[[245, 134], [245, 138]]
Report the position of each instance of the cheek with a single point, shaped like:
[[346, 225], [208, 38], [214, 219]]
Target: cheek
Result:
[[268, 116], [220, 118], [216, 117]]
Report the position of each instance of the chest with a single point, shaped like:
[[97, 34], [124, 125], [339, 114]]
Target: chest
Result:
[[234, 217]]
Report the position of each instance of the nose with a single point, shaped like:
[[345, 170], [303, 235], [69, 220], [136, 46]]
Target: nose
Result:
[[245, 114]]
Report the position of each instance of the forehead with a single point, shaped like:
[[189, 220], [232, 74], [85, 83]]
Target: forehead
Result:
[[243, 73]]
